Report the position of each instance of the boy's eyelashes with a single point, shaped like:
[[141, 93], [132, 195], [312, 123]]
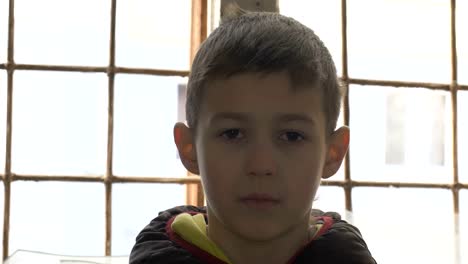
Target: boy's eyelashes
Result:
[[292, 136], [237, 134], [232, 134]]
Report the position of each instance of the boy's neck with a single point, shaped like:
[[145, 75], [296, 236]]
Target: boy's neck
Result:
[[239, 249]]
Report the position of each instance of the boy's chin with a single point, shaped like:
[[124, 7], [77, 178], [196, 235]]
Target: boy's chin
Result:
[[259, 232]]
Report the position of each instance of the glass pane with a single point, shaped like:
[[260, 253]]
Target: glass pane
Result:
[[330, 199], [153, 34], [324, 17], [401, 135], [3, 30], [463, 136], [60, 123], [56, 217], [463, 226], [382, 47], [63, 32], [462, 41], [146, 109], [214, 14], [400, 219], [128, 220], [3, 109]]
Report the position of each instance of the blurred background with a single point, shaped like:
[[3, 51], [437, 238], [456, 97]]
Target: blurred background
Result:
[[90, 91]]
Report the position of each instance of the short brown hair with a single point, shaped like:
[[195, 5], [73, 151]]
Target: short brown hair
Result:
[[263, 42]]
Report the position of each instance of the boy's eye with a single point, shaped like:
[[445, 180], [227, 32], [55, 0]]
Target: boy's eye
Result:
[[292, 136], [232, 134]]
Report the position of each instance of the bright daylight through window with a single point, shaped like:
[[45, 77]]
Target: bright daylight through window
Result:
[[74, 117]]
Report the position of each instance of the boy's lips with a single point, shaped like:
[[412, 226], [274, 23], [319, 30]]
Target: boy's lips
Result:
[[260, 200]]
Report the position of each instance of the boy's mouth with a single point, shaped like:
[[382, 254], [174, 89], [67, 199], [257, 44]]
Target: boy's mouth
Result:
[[260, 200]]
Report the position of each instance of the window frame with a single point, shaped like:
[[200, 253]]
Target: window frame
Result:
[[199, 30], [195, 196]]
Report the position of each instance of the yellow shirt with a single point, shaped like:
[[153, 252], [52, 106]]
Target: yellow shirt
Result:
[[193, 229]]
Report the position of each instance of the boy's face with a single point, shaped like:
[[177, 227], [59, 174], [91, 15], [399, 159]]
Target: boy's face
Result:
[[261, 149]]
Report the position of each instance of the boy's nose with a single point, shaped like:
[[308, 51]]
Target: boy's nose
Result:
[[260, 161]]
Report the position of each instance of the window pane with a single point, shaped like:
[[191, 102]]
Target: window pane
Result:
[[146, 109], [400, 134], [63, 32], [153, 34], [416, 224], [3, 109], [56, 217], [60, 123], [394, 152], [214, 14], [462, 41], [330, 199], [135, 205], [3, 30], [463, 225], [463, 136], [323, 17], [383, 44]]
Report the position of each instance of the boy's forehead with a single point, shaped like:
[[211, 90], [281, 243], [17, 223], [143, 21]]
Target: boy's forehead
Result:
[[245, 96]]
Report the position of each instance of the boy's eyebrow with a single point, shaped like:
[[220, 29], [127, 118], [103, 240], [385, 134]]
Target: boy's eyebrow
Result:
[[229, 115], [280, 117], [293, 117]]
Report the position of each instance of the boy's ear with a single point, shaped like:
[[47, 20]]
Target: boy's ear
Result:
[[184, 141], [338, 144]]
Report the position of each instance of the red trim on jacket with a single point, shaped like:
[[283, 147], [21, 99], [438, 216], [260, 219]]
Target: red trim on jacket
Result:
[[327, 224]]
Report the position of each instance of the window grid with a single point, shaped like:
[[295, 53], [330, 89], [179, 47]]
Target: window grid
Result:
[[199, 29], [198, 33], [453, 87], [110, 131]]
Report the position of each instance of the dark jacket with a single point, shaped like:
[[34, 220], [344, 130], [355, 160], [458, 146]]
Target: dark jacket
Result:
[[341, 243]]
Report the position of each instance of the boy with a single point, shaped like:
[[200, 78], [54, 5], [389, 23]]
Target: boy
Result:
[[262, 105]]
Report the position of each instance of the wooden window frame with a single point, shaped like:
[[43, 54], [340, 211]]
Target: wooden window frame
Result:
[[194, 193]]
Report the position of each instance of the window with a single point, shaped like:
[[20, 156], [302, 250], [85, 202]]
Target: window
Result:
[[395, 136], [92, 111], [91, 92], [415, 128], [395, 57]]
